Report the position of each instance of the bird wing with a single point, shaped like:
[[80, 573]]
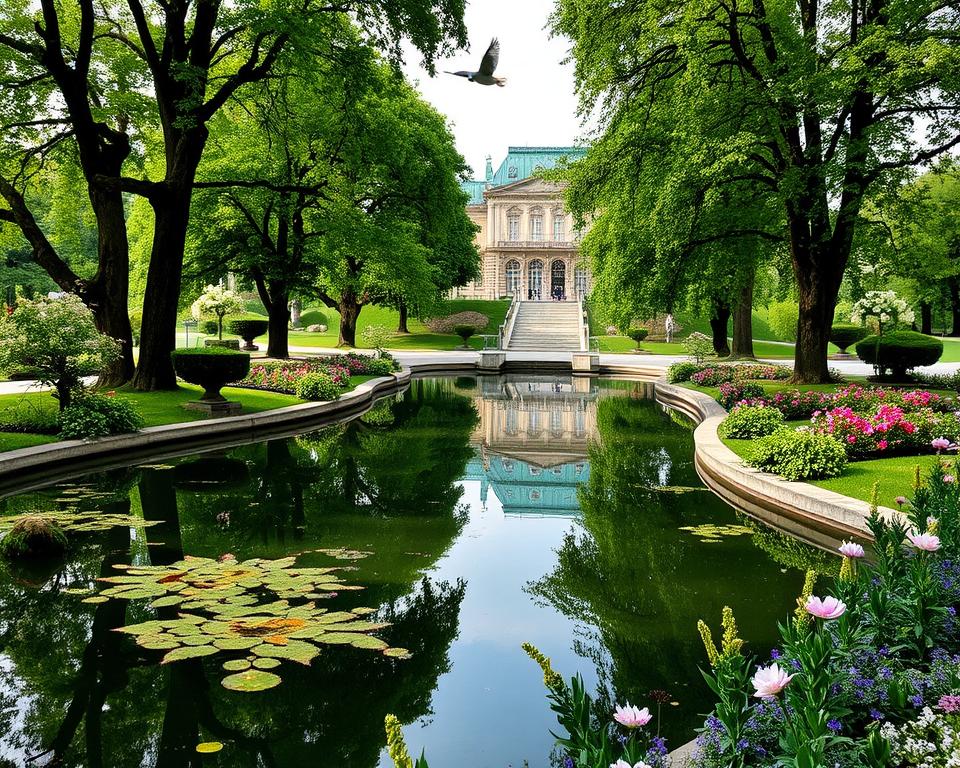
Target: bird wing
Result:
[[490, 58], [458, 74]]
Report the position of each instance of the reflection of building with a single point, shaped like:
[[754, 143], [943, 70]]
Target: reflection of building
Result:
[[527, 243], [532, 441]]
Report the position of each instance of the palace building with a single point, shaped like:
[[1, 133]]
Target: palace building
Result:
[[526, 239]]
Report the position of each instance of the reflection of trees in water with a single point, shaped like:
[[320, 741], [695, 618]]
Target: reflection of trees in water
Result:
[[88, 696], [638, 582]]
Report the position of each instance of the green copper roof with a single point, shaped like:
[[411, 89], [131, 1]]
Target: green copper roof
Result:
[[520, 163]]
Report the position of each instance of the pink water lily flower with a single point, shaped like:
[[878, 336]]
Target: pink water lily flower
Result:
[[927, 542], [632, 717], [769, 681], [825, 608], [851, 549]]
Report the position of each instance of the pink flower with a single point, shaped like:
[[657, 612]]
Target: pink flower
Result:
[[881, 445], [948, 479], [826, 608], [901, 500], [940, 444], [769, 681], [621, 763], [949, 703], [632, 717], [851, 439], [851, 549], [926, 542]]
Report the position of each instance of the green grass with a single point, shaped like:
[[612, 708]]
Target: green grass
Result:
[[11, 441], [420, 337]]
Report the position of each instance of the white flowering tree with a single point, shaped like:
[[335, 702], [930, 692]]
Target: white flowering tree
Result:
[[886, 306], [217, 301], [57, 339]]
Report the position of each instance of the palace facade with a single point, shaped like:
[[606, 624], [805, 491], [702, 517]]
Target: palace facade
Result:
[[527, 243]]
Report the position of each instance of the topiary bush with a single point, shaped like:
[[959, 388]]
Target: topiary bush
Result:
[[34, 536], [677, 373], [248, 330], [209, 327], [746, 422], [317, 386], [638, 335], [799, 454], [465, 332], [899, 351], [845, 334], [91, 415], [211, 368]]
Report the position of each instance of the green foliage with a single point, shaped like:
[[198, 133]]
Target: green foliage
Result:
[[381, 367], [782, 317], [248, 330], [376, 336], [845, 334], [464, 332], [317, 386], [265, 609], [682, 371], [33, 536], [219, 302], [699, 346], [211, 367], [56, 338], [798, 454], [638, 335], [899, 351], [91, 415], [750, 421]]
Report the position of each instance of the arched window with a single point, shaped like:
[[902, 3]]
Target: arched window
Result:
[[559, 226], [513, 277], [513, 224], [535, 279], [536, 224], [558, 280]]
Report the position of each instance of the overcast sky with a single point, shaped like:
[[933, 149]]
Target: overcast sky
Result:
[[537, 106]]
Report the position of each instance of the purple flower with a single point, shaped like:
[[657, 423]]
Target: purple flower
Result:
[[834, 725], [917, 700], [876, 714], [775, 654], [568, 762]]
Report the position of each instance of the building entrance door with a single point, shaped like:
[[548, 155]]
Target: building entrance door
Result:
[[558, 280], [535, 280]]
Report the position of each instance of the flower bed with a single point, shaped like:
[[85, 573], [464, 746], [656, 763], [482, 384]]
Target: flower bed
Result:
[[712, 374], [796, 404], [285, 375]]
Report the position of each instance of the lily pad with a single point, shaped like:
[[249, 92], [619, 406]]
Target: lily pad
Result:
[[266, 663], [237, 665], [188, 652], [397, 653], [250, 681], [95, 599], [209, 747]]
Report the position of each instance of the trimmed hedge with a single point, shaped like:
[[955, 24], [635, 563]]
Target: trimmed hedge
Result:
[[899, 351], [845, 334], [799, 454], [211, 368], [317, 386], [248, 329], [747, 422], [638, 334]]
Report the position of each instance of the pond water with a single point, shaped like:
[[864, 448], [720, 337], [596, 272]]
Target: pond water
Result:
[[563, 512]]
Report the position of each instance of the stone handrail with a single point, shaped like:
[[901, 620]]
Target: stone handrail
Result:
[[506, 329]]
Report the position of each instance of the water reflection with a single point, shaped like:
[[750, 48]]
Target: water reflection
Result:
[[497, 510]]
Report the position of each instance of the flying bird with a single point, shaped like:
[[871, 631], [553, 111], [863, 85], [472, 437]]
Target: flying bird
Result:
[[485, 75]]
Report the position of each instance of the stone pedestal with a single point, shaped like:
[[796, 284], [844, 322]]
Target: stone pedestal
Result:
[[214, 408], [490, 361], [586, 364]]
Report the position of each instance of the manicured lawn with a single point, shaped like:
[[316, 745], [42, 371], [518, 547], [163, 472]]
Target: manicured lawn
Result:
[[420, 337], [11, 441], [762, 349], [893, 477]]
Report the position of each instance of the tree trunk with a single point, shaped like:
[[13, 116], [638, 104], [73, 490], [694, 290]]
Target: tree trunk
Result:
[[926, 317], [719, 319], [278, 340], [402, 325], [349, 309], [954, 285], [743, 322]]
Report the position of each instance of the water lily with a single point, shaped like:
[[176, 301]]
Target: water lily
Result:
[[825, 608], [851, 549], [926, 542], [769, 681], [632, 717]]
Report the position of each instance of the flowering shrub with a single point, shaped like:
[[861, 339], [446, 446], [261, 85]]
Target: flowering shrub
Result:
[[796, 404], [750, 421], [218, 302], [886, 431], [733, 392], [713, 375], [283, 375], [799, 454], [885, 306], [932, 740]]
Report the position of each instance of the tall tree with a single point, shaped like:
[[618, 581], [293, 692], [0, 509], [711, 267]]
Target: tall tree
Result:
[[98, 75], [814, 102]]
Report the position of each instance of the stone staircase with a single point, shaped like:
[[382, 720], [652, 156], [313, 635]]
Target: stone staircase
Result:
[[546, 325]]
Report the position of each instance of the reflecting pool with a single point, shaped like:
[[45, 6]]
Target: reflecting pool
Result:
[[493, 511]]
